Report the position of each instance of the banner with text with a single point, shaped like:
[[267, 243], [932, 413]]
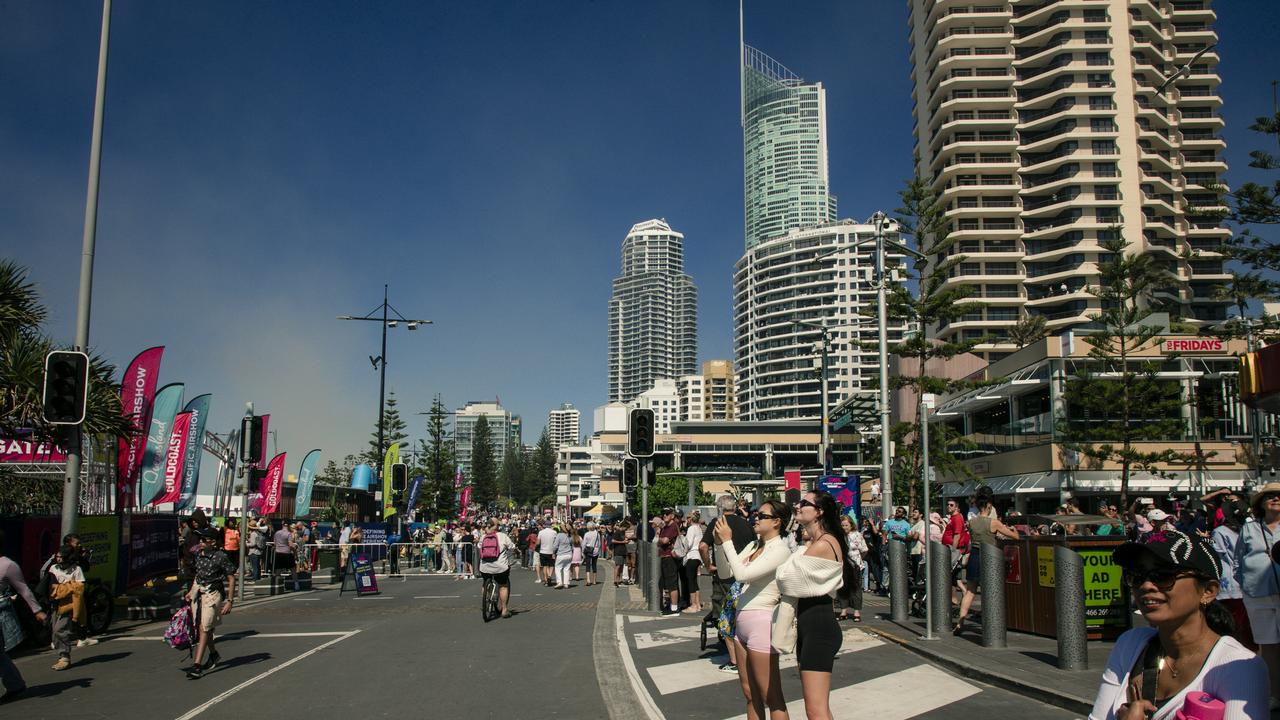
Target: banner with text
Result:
[[199, 409], [26, 450], [137, 391], [163, 411], [171, 486], [392, 457], [273, 485], [306, 481]]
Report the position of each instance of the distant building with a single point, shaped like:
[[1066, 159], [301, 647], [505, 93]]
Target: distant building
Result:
[[709, 396], [653, 313], [563, 425], [503, 427], [664, 402]]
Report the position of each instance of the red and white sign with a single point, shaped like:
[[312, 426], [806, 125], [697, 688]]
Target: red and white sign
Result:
[[28, 451], [1192, 345]]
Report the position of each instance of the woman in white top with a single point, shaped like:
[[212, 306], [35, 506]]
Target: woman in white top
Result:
[[851, 596], [753, 641], [693, 561], [1185, 657], [563, 550]]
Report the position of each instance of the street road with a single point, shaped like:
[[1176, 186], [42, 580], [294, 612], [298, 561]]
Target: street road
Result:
[[421, 650]]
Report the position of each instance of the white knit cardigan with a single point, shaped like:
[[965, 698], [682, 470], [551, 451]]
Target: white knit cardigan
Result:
[[801, 576]]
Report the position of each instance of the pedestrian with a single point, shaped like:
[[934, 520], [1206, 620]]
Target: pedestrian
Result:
[[547, 552], [875, 565], [1185, 652], [78, 628], [669, 579], [917, 541], [210, 597], [12, 586], [496, 552], [850, 596], [1259, 577], [618, 550], [692, 561], [466, 552], [633, 533], [754, 568], [576, 564], [66, 598], [1224, 539], [283, 560], [807, 581], [983, 527], [231, 537], [592, 548], [722, 589], [562, 549], [259, 529]]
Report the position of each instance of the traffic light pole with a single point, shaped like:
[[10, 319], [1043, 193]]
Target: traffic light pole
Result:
[[71, 488]]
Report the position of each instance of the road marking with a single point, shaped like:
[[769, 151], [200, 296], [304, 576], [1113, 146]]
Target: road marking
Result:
[[896, 696], [692, 674], [659, 638], [434, 597], [647, 704], [248, 635], [374, 597], [307, 599], [214, 701]]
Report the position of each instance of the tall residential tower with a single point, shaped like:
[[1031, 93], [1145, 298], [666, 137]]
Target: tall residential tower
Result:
[[563, 425]]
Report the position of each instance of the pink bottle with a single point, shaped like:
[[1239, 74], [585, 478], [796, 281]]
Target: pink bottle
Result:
[[1201, 706]]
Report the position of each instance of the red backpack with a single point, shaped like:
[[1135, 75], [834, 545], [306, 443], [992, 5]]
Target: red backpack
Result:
[[490, 547]]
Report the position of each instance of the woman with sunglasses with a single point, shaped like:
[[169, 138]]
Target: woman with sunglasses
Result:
[[753, 641], [1258, 575], [1186, 652], [807, 582]]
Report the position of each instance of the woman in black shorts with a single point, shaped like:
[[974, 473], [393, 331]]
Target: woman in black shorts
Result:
[[812, 577]]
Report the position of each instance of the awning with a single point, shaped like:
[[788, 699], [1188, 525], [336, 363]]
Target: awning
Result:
[[602, 510], [582, 503], [1041, 482]]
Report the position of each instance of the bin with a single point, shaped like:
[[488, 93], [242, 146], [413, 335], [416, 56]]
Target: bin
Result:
[[1030, 602]]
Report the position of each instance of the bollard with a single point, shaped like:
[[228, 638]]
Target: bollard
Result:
[[939, 590], [899, 599], [655, 578], [993, 606], [1073, 650]]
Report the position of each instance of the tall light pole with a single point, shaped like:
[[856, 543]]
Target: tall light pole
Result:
[[825, 447], [380, 362]]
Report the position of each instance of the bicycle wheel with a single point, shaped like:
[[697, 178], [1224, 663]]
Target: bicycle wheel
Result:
[[489, 600], [100, 606]]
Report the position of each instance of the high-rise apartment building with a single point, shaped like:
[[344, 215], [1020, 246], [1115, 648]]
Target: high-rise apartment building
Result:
[[782, 290], [653, 313], [784, 144], [1048, 127], [663, 399], [563, 426], [709, 396], [503, 428]]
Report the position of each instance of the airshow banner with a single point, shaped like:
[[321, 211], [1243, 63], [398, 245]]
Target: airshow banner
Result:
[[199, 409], [306, 481], [413, 492], [26, 450], [171, 487], [273, 485], [392, 457], [137, 390], [163, 411]]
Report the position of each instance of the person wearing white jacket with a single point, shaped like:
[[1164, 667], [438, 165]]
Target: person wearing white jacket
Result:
[[754, 568]]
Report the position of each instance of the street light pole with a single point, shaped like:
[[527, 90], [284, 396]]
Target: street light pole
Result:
[[926, 403], [826, 412], [882, 329]]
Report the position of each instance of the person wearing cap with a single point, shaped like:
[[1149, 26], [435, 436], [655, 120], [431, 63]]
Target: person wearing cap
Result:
[[1258, 575], [670, 570], [1186, 651], [210, 597], [1157, 518]]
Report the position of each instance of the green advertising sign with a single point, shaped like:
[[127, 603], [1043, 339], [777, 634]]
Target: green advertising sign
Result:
[[99, 534], [1105, 601]]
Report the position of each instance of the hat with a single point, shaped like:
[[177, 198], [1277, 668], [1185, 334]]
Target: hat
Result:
[[206, 534], [1157, 515], [1173, 549], [668, 511], [1255, 502]]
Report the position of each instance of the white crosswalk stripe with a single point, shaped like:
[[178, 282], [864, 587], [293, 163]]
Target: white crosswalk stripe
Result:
[[896, 696], [657, 638], [691, 674]]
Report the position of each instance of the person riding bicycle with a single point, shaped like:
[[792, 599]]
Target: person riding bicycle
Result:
[[496, 551]]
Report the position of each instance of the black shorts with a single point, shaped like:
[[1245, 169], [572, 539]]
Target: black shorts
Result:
[[818, 635], [547, 559], [670, 574], [589, 562], [503, 579]]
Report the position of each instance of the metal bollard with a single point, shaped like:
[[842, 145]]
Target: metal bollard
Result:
[[655, 579], [899, 597], [1073, 649], [939, 590], [993, 605]]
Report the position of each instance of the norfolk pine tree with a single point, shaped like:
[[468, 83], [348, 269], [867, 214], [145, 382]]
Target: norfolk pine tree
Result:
[[439, 461], [393, 431], [484, 468]]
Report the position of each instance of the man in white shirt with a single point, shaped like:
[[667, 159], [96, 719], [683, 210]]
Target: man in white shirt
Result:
[[546, 552]]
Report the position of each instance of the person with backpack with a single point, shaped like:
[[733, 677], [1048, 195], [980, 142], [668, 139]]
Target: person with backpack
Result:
[[210, 597], [496, 549]]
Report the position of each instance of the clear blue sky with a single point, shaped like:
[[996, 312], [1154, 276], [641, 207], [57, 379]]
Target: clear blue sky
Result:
[[268, 166]]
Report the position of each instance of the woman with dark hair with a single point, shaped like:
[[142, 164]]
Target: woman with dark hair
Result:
[[984, 528], [808, 580], [754, 568], [1258, 575], [11, 582], [1187, 652]]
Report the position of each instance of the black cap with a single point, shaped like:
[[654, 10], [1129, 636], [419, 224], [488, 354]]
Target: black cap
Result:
[[207, 533], [1172, 549]]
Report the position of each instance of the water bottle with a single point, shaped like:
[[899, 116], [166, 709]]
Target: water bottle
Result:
[[1201, 706]]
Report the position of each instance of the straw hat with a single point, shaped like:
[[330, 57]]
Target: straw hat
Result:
[[1255, 502]]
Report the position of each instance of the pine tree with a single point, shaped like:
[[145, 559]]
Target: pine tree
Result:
[[439, 462], [513, 474], [484, 468], [339, 475], [540, 471], [1116, 400], [393, 431]]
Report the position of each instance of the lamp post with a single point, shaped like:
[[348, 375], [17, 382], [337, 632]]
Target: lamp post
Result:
[[380, 362], [825, 344]]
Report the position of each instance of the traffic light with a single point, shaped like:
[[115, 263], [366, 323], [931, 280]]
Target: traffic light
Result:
[[66, 387], [251, 439], [640, 434], [256, 476], [630, 473], [399, 477]]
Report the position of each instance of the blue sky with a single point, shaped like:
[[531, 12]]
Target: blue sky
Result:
[[268, 166]]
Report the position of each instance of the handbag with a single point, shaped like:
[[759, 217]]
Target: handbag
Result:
[[727, 623], [10, 627]]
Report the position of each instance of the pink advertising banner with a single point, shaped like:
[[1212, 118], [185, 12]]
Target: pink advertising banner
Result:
[[137, 391], [174, 456], [273, 485], [14, 450], [266, 420]]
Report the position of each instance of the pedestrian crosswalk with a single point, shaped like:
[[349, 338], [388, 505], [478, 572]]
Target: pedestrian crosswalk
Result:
[[872, 678]]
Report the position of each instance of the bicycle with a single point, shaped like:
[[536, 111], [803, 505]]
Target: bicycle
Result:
[[489, 600]]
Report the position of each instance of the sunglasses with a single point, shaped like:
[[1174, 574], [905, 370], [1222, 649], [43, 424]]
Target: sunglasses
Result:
[[1162, 579], [765, 516], [806, 503], [1268, 497]]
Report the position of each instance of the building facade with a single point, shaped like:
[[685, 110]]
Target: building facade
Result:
[[664, 400], [709, 396], [563, 425], [1049, 127], [782, 289], [653, 313], [784, 144], [503, 428]]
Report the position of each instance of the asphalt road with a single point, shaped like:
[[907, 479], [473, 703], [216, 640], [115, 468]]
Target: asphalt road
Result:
[[420, 649]]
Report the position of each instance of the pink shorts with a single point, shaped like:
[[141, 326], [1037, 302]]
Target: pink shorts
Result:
[[755, 630]]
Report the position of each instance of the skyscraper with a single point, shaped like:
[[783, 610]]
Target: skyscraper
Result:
[[784, 147], [503, 428], [1047, 128], [563, 426], [653, 314]]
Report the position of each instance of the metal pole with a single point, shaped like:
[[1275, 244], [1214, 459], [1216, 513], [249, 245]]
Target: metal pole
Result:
[[993, 601], [1073, 649], [71, 488], [244, 512], [882, 327], [826, 429], [382, 387], [937, 604], [928, 556], [642, 533], [899, 607]]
